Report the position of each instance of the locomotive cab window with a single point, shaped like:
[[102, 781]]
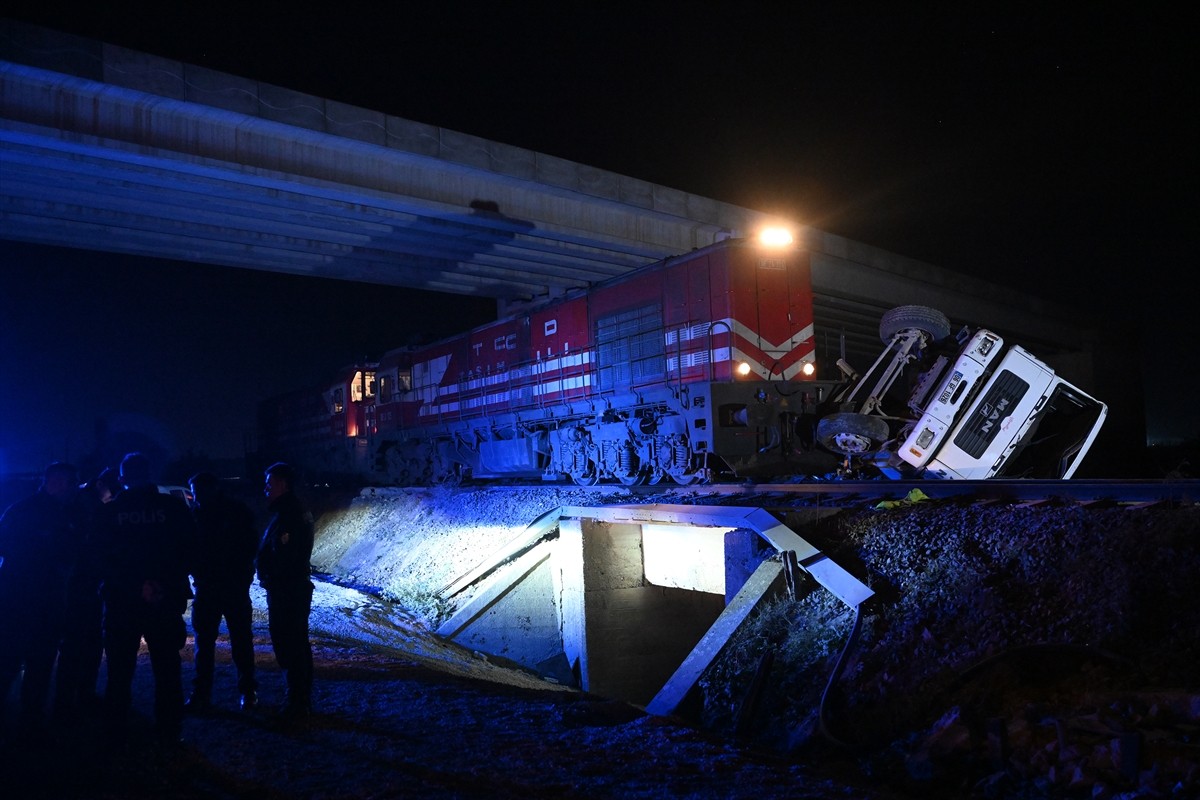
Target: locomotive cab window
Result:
[[362, 387], [339, 402], [629, 348], [394, 384]]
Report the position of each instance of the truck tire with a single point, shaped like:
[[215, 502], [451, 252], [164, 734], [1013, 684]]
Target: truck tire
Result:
[[923, 318], [852, 434]]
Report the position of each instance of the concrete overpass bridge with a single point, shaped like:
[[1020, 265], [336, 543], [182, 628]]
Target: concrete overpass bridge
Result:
[[108, 149], [104, 148]]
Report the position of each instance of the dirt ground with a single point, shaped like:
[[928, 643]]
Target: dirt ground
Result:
[[1011, 651], [430, 722]]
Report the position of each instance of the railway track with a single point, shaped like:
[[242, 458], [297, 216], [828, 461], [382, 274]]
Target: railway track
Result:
[[1132, 493]]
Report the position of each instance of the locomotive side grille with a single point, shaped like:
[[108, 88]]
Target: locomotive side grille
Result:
[[629, 347]]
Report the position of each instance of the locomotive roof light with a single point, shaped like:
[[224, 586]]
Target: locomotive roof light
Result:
[[776, 236]]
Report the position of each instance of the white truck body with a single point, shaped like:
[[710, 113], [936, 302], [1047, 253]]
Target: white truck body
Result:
[[974, 407], [1023, 406]]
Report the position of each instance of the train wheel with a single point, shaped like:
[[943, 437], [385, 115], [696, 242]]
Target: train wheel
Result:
[[447, 478], [394, 466], [587, 477], [403, 470], [636, 479], [684, 475], [685, 478], [677, 461], [443, 471]]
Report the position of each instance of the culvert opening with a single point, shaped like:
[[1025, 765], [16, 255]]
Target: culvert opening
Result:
[[629, 602]]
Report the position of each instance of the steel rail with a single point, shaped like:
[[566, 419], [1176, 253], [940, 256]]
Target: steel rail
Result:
[[1081, 491]]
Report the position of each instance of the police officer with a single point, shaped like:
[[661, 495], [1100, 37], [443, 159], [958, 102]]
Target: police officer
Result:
[[35, 559], [222, 570], [284, 572], [145, 538], [82, 647]]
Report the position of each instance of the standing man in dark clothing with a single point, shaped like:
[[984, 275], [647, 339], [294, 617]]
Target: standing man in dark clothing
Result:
[[82, 646], [284, 572], [35, 558], [144, 539], [222, 571]]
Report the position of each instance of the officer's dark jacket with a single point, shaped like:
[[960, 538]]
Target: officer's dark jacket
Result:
[[86, 509], [226, 544], [283, 566], [145, 538], [35, 542]]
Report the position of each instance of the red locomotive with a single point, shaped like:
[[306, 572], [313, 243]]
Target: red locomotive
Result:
[[694, 368]]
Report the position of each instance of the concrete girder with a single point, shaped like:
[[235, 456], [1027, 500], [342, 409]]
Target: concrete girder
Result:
[[134, 135], [345, 230]]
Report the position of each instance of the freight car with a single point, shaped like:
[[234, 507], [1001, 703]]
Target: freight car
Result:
[[697, 368]]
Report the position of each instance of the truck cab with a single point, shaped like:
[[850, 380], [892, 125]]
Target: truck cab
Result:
[[963, 407]]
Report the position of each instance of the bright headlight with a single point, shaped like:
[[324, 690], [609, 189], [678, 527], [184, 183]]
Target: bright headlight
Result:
[[775, 237]]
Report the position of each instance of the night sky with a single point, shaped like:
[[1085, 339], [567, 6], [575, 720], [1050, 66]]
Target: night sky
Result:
[[1052, 152]]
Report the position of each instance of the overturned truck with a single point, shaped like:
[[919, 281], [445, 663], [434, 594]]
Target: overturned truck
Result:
[[962, 406]]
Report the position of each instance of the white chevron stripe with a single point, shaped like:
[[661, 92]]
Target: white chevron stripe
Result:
[[701, 330]]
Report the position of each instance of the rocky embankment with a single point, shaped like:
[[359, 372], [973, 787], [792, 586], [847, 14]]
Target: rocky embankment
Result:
[[1009, 651]]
